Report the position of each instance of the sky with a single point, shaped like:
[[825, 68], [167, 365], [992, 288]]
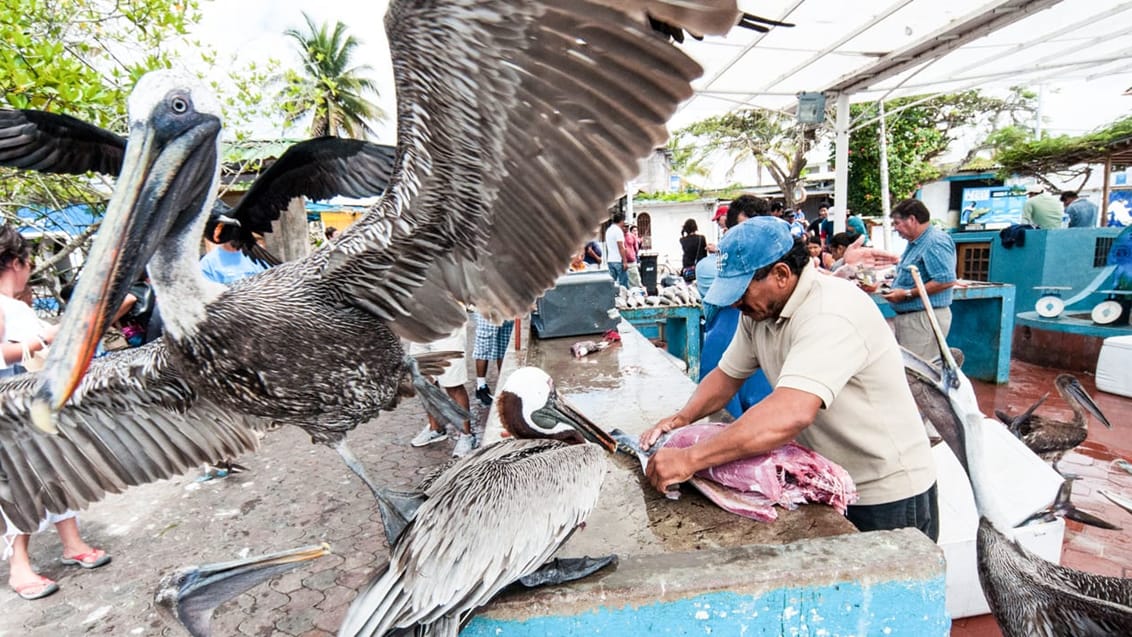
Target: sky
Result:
[[253, 30]]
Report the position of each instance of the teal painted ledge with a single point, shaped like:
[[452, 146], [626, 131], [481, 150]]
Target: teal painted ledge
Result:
[[888, 583]]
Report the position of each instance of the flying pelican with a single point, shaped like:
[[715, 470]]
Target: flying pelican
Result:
[[504, 108], [189, 595], [493, 518], [1051, 438], [317, 168], [1027, 595]]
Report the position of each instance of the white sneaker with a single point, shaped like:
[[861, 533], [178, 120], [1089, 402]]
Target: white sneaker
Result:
[[427, 437], [464, 445]]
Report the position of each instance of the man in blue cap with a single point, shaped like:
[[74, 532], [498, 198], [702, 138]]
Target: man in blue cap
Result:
[[837, 374]]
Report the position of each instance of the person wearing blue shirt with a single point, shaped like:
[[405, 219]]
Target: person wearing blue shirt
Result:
[[1082, 213], [933, 252], [226, 263]]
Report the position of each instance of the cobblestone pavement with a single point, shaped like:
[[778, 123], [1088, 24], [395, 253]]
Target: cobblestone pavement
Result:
[[295, 494]]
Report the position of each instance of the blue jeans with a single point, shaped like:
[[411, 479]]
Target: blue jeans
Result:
[[919, 512], [617, 271]]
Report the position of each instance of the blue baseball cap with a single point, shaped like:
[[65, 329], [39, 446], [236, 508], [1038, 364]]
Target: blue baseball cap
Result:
[[753, 244]]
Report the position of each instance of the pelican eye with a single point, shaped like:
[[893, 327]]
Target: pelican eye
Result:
[[179, 105]]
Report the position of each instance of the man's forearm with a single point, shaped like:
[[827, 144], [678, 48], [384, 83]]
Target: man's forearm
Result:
[[771, 423]]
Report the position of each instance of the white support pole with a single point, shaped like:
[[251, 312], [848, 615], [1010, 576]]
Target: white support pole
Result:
[[841, 170], [885, 202], [629, 188]]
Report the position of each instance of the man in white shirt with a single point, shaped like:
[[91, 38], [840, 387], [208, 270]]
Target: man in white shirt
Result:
[[615, 250]]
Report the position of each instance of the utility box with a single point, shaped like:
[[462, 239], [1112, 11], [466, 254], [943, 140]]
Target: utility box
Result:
[[648, 262], [1114, 366], [579, 303]]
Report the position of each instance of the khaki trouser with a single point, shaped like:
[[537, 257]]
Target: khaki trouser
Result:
[[914, 332], [634, 271]]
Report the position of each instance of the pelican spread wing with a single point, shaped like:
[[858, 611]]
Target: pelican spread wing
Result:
[[481, 534], [50, 143], [518, 125], [131, 421]]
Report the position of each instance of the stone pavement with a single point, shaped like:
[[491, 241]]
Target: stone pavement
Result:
[[295, 494]]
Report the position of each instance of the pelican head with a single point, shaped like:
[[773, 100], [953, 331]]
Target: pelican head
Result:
[[189, 595], [168, 178], [1072, 391], [529, 407]]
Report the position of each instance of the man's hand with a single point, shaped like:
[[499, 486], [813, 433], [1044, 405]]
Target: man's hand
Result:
[[898, 295], [649, 438], [669, 467], [858, 254]]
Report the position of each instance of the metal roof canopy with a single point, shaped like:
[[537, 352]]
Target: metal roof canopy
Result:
[[870, 50]]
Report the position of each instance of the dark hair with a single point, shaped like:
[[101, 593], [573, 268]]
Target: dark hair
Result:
[[330, 232], [749, 205], [795, 259], [13, 247], [843, 239], [1068, 194], [632, 227], [912, 208], [227, 232], [815, 240], [690, 227], [618, 217]]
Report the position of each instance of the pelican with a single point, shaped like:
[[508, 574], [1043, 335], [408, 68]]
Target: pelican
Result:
[[1027, 595], [189, 595], [1051, 438], [317, 168], [504, 108], [493, 518]]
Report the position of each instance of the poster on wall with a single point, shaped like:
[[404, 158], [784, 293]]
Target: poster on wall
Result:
[[1119, 211], [992, 207]]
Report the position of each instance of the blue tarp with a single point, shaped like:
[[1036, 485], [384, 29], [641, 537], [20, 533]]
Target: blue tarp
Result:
[[71, 220]]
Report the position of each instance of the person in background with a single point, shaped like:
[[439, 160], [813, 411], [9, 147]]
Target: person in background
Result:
[[856, 224], [720, 216], [632, 263], [331, 232], [226, 263], [452, 380], [20, 330], [838, 244], [694, 247], [577, 263], [592, 253], [491, 345], [615, 258], [798, 224], [832, 361], [932, 251], [1041, 209], [813, 244], [815, 225], [1082, 212]]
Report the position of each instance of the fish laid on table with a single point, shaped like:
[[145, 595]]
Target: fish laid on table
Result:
[[788, 476], [503, 107]]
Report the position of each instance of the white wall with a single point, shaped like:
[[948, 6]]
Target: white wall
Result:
[[667, 220]]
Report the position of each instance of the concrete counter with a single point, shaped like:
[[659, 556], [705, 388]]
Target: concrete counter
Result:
[[688, 566]]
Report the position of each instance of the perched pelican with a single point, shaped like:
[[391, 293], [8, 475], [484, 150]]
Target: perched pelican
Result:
[[189, 595], [317, 168], [492, 518], [1027, 595], [504, 108], [1050, 438]]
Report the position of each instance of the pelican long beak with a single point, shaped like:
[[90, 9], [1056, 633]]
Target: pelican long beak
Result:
[[561, 411], [190, 595], [1083, 398], [167, 177]]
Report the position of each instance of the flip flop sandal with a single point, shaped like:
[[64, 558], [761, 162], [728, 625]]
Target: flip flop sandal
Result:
[[92, 559], [38, 590]]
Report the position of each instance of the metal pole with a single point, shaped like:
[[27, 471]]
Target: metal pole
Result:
[[629, 202], [1103, 220], [841, 170], [885, 205]]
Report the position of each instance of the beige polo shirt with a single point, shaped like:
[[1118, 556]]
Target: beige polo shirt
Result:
[[832, 341]]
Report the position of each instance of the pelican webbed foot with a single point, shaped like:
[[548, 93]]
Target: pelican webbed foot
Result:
[[566, 569], [397, 508]]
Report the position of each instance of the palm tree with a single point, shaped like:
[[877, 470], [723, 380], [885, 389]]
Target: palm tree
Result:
[[329, 87]]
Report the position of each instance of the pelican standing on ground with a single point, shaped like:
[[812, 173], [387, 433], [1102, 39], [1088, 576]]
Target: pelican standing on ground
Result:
[[1051, 438], [1027, 595], [503, 108]]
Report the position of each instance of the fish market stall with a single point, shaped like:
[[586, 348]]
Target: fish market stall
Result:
[[687, 560]]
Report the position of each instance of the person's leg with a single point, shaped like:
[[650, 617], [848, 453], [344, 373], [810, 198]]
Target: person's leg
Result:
[[21, 576], [73, 543], [459, 394]]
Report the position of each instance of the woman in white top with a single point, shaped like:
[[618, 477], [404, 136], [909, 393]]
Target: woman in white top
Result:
[[20, 331]]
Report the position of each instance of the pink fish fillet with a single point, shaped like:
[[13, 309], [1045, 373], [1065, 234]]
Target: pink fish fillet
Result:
[[788, 476]]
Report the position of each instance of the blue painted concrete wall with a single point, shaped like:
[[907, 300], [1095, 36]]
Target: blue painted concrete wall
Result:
[[902, 607], [1048, 258]]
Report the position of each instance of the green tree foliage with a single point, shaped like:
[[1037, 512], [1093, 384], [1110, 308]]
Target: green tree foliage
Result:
[[1017, 152], [919, 131], [329, 88], [771, 138]]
